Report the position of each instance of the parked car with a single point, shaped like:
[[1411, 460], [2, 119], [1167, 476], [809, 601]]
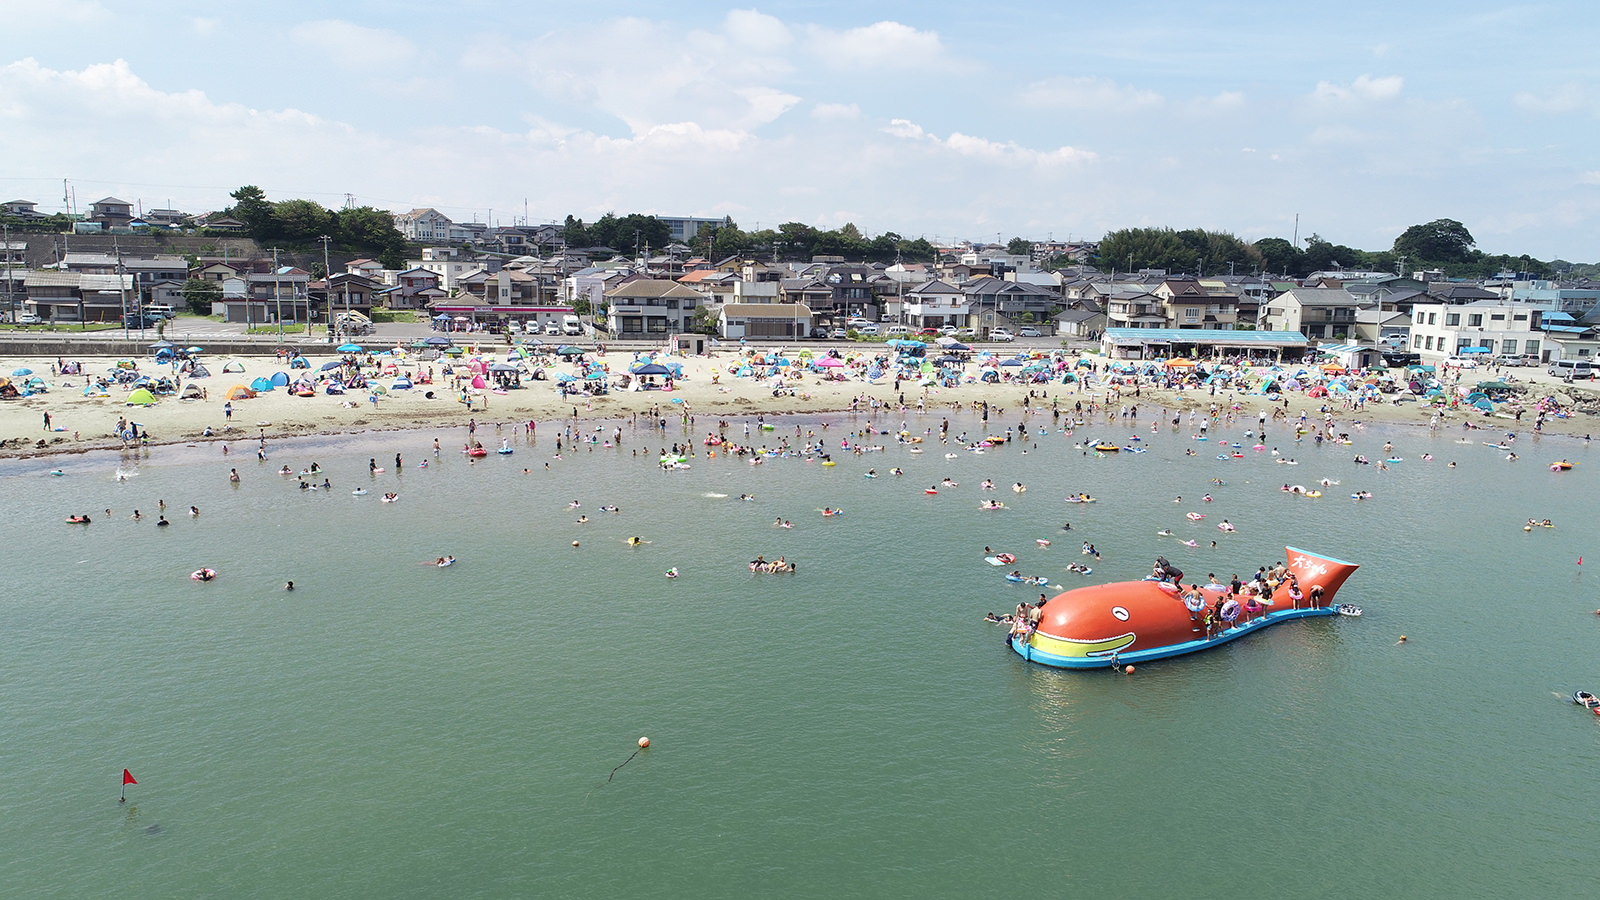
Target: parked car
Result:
[[1461, 362], [967, 333], [857, 322], [139, 321], [29, 319], [819, 332], [949, 330], [1028, 331], [1517, 360], [928, 332], [838, 334], [867, 329], [1001, 334], [552, 329]]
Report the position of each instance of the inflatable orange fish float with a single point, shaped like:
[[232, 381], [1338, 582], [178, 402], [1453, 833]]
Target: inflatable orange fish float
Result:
[[1136, 621]]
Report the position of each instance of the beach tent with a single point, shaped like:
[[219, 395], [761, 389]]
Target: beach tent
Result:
[[402, 384], [299, 362], [280, 379], [349, 348], [261, 385], [232, 365], [141, 397], [240, 392], [652, 369], [191, 391], [330, 366], [437, 341]]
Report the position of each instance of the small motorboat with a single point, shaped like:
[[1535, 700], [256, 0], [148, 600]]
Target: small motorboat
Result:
[[1347, 609], [1586, 700]]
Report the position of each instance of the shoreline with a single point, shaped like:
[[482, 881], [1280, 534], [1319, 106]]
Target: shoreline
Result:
[[84, 424]]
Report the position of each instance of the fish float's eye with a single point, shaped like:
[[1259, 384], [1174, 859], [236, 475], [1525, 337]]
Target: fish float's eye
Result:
[[1120, 613]]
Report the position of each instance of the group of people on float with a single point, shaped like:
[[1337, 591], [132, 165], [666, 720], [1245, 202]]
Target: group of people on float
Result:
[[1250, 598]]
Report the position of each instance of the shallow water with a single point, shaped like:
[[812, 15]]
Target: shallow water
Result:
[[395, 729]]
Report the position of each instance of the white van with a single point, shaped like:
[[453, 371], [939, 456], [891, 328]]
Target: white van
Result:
[[571, 325], [1567, 369], [898, 330], [160, 309]]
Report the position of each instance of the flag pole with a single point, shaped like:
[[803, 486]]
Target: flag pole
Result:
[[127, 779]]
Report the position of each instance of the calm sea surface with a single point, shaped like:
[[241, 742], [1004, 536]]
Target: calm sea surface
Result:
[[393, 729]]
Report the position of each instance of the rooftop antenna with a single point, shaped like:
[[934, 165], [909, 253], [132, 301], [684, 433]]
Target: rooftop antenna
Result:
[[349, 201]]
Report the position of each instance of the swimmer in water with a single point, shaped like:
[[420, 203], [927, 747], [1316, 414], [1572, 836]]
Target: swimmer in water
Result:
[[289, 586]]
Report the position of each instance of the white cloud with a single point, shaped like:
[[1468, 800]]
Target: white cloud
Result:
[[882, 45], [1088, 92], [353, 46], [836, 111], [1591, 177], [204, 26], [757, 30], [1560, 100], [1364, 88], [1007, 153]]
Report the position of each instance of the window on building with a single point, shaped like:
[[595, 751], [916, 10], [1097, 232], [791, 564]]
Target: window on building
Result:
[[1433, 318], [1416, 342], [1453, 319], [1508, 347], [1531, 348], [1427, 342], [1520, 317], [1475, 320], [1497, 317]]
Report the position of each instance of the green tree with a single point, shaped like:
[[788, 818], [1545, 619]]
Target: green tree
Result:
[[1438, 242], [1279, 257], [250, 206], [1019, 246], [200, 294], [575, 234], [302, 221], [1132, 249], [372, 231], [796, 240]]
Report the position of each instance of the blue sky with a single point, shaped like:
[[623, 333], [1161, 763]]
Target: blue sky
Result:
[[945, 120]]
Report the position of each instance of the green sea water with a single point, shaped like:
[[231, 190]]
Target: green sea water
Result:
[[393, 729]]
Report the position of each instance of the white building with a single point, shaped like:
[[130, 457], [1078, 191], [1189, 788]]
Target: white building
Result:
[[1504, 328], [424, 226]]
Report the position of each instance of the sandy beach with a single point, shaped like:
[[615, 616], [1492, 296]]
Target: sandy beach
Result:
[[79, 423]]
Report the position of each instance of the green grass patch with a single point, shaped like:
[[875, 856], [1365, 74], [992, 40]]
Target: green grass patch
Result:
[[63, 328], [287, 328]]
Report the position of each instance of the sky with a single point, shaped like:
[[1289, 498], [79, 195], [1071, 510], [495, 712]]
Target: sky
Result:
[[932, 119]]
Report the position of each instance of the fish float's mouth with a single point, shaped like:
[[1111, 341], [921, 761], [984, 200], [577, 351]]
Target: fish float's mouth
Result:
[[1081, 648]]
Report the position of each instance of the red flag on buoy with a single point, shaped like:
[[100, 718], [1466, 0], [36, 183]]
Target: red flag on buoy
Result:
[[127, 777]]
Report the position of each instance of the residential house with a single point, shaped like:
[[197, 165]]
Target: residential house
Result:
[[1446, 329], [424, 226], [58, 296], [1317, 313], [236, 304], [770, 321], [21, 209], [451, 265], [1082, 320], [216, 221], [414, 288], [812, 293], [367, 268], [650, 308], [935, 304], [996, 302], [283, 292], [1188, 304], [164, 218], [1131, 306], [111, 213]]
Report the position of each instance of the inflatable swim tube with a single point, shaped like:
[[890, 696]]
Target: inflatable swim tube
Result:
[[203, 574], [1196, 516]]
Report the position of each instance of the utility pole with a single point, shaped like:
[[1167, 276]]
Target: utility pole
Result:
[[11, 297], [277, 292], [327, 290]]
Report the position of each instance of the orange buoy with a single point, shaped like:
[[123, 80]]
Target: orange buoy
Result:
[[644, 742], [1128, 671]]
